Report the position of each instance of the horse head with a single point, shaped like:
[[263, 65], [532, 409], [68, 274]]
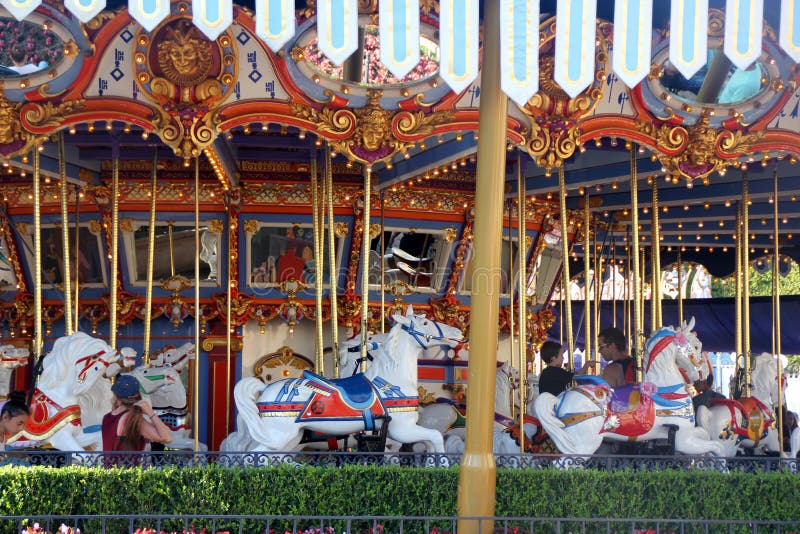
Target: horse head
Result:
[[12, 357], [427, 332], [151, 378], [350, 353], [764, 378], [669, 350], [177, 357]]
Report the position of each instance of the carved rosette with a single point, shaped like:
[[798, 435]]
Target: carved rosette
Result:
[[555, 117], [241, 306], [371, 133], [349, 309], [694, 152]]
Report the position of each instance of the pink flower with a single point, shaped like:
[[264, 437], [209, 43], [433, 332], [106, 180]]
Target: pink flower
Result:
[[680, 339], [649, 389]]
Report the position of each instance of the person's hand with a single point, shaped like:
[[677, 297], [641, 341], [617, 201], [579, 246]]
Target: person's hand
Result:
[[145, 407]]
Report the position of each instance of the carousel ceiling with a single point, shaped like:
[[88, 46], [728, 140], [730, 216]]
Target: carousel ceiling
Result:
[[257, 110]]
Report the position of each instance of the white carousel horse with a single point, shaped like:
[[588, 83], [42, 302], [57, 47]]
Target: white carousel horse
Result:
[[579, 419], [746, 423], [162, 382], [11, 357], [177, 357], [71, 397], [275, 416]]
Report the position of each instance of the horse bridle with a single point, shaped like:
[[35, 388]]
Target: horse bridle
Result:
[[90, 361], [418, 335]]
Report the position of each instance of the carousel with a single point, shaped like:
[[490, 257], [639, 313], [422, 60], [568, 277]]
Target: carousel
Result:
[[293, 218]]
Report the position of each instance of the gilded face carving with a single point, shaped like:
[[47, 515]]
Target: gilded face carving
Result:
[[184, 56], [9, 122], [373, 130]]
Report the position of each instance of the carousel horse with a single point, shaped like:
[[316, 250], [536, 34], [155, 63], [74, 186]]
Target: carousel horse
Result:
[[161, 381], [578, 419], [11, 357], [747, 422], [274, 416], [71, 397], [449, 417]]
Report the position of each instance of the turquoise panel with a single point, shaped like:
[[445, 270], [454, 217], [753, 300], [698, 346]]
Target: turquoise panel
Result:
[[632, 39], [574, 62], [520, 42], [399, 38]]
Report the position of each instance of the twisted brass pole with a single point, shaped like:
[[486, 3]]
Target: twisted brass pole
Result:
[[636, 331], [738, 281], [680, 289], [151, 255], [587, 289], [365, 247], [657, 317], [319, 364], [333, 268], [77, 257], [112, 301], [776, 297], [66, 278], [37, 257], [746, 282], [562, 205], [522, 224], [196, 395], [511, 319]]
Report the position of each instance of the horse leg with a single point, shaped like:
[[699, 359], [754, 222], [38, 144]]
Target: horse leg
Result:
[[404, 428], [687, 442]]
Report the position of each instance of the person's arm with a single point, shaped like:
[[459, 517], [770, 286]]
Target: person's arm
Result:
[[152, 428]]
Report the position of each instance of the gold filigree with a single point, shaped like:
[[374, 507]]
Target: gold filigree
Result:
[[341, 229], [284, 358], [215, 226], [425, 396], [95, 227], [250, 226], [10, 126], [99, 20], [210, 343], [374, 230], [49, 114], [175, 283], [22, 228], [450, 234], [330, 121], [429, 6], [126, 224]]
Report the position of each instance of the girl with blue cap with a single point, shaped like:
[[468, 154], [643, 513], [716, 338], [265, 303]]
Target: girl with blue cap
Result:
[[131, 423]]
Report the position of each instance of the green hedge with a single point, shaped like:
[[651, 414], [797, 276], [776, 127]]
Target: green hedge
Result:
[[396, 491]]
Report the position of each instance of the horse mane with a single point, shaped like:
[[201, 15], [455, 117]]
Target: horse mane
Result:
[[662, 339]]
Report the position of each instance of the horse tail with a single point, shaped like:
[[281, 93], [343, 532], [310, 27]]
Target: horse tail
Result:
[[246, 394], [545, 409]]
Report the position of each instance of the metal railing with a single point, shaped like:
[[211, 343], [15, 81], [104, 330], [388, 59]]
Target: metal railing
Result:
[[275, 524], [333, 459]]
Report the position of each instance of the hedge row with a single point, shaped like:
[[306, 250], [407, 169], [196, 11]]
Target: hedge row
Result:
[[396, 491]]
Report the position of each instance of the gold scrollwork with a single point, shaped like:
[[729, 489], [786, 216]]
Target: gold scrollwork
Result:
[[450, 234], [215, 226], [208, 344], [250, 226], [126, 224], [374, 230], [22, 228], [341, 229], [95, 227]]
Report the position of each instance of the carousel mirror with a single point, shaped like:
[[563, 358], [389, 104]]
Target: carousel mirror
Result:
[[468, 276], [174, 254], [718, 82], [545, 268], [90, 267], [8, 280], [411, 257], [27, 48], [366, 68], [278, 253]]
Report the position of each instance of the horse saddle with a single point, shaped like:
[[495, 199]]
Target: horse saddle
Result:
[[47, 417], [757, 417], [631, 412], [340, 399]]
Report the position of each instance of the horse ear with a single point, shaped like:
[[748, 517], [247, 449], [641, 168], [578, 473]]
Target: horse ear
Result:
[[690, 326], [409, 310], [401, 319]]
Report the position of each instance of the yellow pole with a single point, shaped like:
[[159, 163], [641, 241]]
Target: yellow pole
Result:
[[522, 224], [66, 278], [636, 329], [776, 296], [196, 396], [112, 282], [319, 364], [657, 318], [365, 243], [37, 257], [587, 288], [229, 306], [333, 271], [746, 282], [680, 289], [151, 254], [477, 477], [738, 279], [567, 298], [511, 318], [77, 256], [598, 293]]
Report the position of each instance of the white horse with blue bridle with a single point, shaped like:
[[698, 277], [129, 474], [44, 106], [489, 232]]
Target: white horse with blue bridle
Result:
[[579, 419], [274, 416]]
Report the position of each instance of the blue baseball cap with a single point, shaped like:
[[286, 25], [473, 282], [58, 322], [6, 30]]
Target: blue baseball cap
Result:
[[126, 387]]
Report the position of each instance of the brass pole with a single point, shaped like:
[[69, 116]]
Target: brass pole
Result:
[[511, 319], [738, 280], [319, 364], [597, 281], [613, 282], [680, 288], [746, 282], [477, 476], [628, 293], [776, 297], [333, 270], [37, 257], [151, 256], [365, 243], [228, 311], [66, 278], [77, 257], [565, 276], [587, 289], [112, 301], [383, 262], [657, 319], [636, 330], [171, 253], [196, 396], [522, 223]]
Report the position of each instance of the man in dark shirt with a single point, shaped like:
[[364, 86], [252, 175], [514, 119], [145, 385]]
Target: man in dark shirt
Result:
[[613, 348], [705, 393]]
